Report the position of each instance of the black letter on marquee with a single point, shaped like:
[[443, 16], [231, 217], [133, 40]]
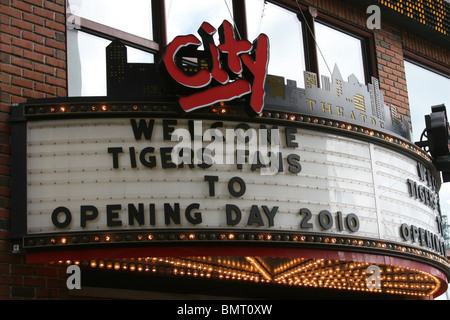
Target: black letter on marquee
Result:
[[231, 186], [305, 224], [135, 214], [111, 214], [255, 216], [167, 131], [290, 137], [142, 129], [171, 213], [150, 162], [85, 216], [270, 214], [229, 209], [152, 214], [352, 222], [197, 215], [115, 152], [67, 220], [294, 163], [415, 233], [211, 180], [325, 219], [404, 230], [166, 158]]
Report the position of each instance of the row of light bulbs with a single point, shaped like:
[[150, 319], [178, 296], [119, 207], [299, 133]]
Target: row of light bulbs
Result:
[[224, 236], [222, 109], [301, 272]]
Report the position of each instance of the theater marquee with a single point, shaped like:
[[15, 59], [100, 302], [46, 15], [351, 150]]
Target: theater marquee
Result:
[[272, 166], [110, 175]]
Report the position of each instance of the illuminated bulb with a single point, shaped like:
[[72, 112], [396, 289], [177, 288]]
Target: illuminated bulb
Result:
[[104, 108]]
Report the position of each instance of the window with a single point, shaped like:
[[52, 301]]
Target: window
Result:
[[185, 17], [285, 32], [146, 26], [92, 25], [132, 16], [339, 49], [426, 88], [87, 63]]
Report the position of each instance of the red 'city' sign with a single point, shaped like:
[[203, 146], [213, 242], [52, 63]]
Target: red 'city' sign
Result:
[[237, 67]]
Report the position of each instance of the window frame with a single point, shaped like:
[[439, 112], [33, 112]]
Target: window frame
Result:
[[426, 63], [367, 42], [307, 15], [106, 32]]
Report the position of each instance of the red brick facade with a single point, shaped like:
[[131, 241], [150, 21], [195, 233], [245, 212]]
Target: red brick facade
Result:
[[33, 65]]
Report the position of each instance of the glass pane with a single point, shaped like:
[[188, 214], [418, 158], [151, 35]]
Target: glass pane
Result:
[[132, 16], [425, 89], [185, 17], [287, 58], [87, 63], [341, 49]]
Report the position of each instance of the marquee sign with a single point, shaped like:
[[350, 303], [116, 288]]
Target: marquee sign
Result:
[[130, 174], [176, 159]]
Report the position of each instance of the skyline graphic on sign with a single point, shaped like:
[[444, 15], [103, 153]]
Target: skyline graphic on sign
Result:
[[334, 98], [348, 101]]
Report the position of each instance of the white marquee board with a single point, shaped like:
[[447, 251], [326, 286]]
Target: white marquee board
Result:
[[69, 166]]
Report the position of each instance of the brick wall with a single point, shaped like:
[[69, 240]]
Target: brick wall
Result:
[[32, 65], [391, 68]]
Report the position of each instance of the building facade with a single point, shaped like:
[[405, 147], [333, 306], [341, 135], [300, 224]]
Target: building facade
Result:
[[348, 204]]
